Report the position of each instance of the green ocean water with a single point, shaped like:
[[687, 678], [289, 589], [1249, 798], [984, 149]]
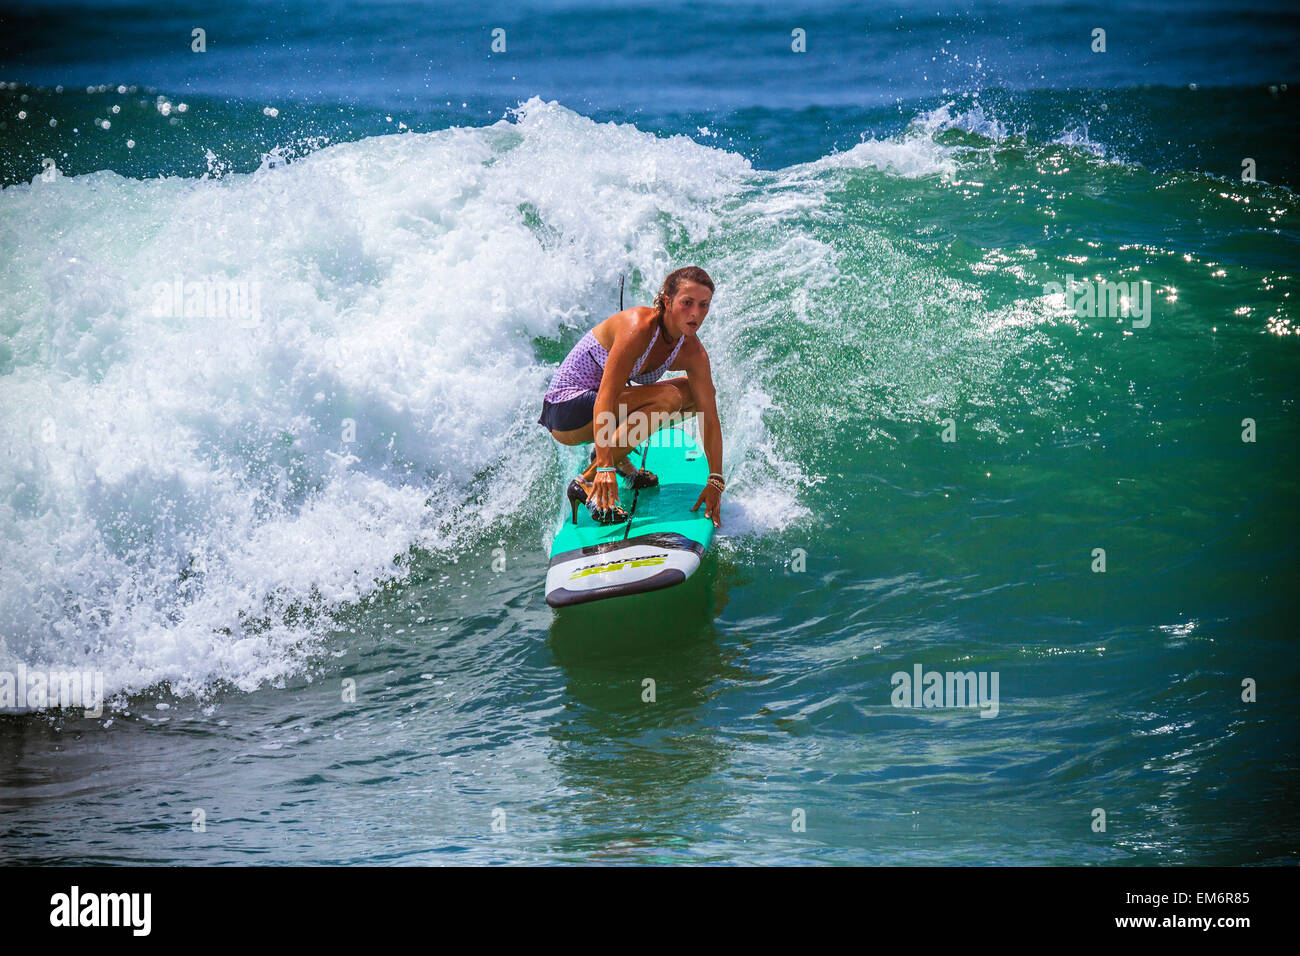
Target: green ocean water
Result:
[[424, 284]]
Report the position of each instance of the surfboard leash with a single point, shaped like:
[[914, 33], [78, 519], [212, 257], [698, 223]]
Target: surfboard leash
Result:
[[636, 492]]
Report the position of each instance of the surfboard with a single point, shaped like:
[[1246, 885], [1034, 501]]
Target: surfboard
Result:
[[661, 545]]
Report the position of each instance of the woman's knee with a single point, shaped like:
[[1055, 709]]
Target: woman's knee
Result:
[[671, 401], [685, 398], [663, 398]]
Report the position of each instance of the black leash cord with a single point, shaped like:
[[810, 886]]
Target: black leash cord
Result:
[[636, 492]]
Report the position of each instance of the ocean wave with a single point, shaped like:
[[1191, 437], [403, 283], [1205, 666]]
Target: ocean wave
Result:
[[197, 482], [241, 403]]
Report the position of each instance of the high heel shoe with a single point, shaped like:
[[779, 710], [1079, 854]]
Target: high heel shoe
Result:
[[578, 495]]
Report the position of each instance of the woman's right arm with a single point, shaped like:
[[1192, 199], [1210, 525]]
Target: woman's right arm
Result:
[[629, 341]]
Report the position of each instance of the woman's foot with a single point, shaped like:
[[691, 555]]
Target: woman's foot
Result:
[[636, 477], [580, 493]]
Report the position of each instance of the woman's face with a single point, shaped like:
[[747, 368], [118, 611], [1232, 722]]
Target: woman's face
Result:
[[686, 310]]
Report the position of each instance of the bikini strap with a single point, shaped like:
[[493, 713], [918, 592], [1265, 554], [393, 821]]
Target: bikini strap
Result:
[[676, 348], [646, 354]]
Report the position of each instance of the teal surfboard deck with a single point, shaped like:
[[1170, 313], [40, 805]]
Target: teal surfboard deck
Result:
[[661, 546]]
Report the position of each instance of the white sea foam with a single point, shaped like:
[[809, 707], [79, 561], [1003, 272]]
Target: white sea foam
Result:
[[973, 119], [1077, 137], [912, 155]]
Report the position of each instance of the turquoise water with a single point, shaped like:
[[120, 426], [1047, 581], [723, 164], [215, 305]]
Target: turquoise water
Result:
[[187, 512]]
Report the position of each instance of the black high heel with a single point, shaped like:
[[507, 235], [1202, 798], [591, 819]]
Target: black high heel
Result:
[[578, 495]]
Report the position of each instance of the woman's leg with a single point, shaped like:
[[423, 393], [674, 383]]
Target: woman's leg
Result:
[[640, 402]]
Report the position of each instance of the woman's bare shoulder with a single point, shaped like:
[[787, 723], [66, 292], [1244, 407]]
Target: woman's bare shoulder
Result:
[[635, 321], [692, 353]]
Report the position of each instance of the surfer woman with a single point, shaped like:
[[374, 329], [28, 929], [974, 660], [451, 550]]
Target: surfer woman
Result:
[[604, 373]]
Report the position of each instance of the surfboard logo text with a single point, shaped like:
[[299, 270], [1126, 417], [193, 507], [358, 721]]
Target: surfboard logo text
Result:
[[619, 565]]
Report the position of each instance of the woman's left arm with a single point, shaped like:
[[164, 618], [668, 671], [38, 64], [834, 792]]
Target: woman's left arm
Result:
[[704, 397]]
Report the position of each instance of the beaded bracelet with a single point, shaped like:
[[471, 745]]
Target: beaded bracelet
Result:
[[606, 468]]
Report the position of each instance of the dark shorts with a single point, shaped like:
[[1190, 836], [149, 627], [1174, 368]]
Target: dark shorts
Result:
[[568, 415]]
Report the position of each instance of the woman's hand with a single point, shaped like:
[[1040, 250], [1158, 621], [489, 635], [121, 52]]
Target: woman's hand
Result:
[[604, 493], [712, 499]]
